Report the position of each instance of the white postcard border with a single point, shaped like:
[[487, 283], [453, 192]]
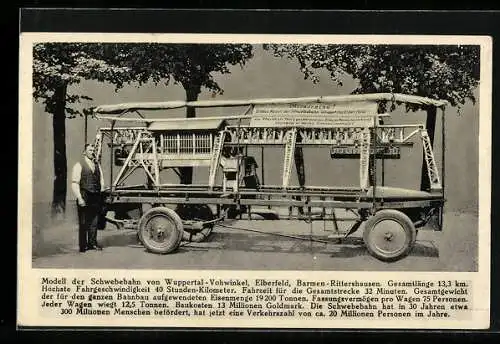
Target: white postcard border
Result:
[[28, 278]]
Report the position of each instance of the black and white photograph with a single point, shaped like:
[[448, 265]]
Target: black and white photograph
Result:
[[255, 150], [307, 156]]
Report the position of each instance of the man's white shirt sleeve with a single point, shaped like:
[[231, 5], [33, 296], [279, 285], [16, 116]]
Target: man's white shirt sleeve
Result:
[[75, 179], [77, 173]]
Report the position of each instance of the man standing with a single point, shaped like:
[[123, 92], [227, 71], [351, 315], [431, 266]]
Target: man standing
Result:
[[87, 183]]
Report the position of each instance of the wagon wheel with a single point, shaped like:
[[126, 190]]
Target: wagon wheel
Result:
[[160, 230], [196, 212], [389, 235], [141, 213]]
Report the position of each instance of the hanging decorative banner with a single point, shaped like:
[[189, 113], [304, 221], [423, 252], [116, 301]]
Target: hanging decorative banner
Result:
[[315, 115], [353, 152]]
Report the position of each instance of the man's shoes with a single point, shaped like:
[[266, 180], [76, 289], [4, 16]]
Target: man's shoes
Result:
[[82, 250], [94, 247]]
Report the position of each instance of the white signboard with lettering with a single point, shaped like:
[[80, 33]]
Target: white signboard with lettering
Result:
[[315, 115]]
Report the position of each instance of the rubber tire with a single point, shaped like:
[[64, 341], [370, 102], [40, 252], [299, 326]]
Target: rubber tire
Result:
[[197, 237], [406, 224], [205, 232], [175, 234]]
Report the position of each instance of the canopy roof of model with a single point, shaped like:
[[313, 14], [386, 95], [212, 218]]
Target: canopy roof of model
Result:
[[395, 97]]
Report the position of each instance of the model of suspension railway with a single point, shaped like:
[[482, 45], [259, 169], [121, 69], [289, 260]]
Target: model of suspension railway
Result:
[[351, 127]]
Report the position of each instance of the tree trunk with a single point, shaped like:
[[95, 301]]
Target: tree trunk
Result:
[[192, 92], [430, 124], [298, 157], [60, 162], [299, 165]]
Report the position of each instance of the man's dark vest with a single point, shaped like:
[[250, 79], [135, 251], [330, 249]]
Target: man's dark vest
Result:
[[90, 181]]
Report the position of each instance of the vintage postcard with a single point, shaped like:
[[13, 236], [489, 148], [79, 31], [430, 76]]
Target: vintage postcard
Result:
[[254, 181]]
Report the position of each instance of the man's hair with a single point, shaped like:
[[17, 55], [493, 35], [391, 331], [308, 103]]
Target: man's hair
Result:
[[85, 147]]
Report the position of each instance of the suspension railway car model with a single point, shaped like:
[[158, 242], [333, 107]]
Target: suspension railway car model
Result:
[[350, 127]]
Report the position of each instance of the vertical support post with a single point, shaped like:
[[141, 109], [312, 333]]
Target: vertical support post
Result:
[[430, 125], [262, 164], [236, 188], [289, 152], [383, 168], [443, 149], [298, 156], [111, 157], [371, 170], [156, 163], [364, 158], [374, 138], [381, 122], [215, 158], [262, 170], [443, 165]]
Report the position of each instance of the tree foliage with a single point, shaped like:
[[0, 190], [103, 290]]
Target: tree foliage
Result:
[[191, 65], [449, 72], [58, 65]]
